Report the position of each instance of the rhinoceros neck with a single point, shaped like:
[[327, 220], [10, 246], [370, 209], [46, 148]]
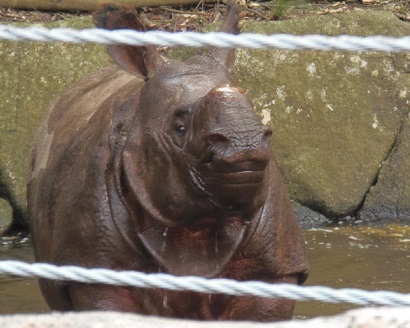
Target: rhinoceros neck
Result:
[[202, 249]]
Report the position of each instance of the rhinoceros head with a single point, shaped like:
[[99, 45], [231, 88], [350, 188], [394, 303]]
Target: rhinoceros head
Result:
[[196, 147]]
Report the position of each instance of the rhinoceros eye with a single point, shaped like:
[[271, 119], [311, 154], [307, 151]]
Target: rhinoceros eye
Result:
[[180, 126], [180, 129]]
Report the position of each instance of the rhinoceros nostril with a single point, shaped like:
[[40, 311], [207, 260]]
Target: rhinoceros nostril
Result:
[[267, 134], [215, 138]]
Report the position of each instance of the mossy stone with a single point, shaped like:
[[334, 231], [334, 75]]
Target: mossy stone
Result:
[[6, 216], [389, 199]]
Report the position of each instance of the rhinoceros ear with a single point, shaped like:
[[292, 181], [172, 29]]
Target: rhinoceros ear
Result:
[[142, 61], [226, 56]]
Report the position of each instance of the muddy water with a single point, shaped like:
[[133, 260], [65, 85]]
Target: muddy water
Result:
[[18, 295], [359, 257]]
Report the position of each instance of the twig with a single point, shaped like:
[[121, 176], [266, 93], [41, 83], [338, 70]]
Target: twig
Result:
[[182, 12], [258, 14]]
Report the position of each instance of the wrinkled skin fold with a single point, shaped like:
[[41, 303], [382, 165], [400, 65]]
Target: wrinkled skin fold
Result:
[[162, 166]]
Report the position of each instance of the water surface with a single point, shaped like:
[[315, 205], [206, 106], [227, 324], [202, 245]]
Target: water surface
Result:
[[358, 257], [19, 295]]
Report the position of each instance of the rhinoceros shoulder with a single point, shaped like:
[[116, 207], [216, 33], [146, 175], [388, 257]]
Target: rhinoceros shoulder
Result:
[[72, 111]]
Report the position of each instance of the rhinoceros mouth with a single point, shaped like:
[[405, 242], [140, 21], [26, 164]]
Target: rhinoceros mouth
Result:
[[239, 178], [237, 188], [227, 184], [235, 174]]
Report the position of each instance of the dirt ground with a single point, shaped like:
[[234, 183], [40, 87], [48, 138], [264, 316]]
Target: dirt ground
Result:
[[193, 18]]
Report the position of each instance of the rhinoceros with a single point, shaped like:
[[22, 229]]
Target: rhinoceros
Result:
[[159, 165]]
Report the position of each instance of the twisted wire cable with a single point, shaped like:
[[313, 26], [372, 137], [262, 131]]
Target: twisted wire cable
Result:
[[203, 285], [214, 39]]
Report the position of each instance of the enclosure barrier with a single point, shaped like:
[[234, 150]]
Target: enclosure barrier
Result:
[[214, 39], [203, 285], [198, 284]]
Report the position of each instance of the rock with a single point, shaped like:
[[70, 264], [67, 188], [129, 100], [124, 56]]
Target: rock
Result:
[[335, 115], [309, 218], [33, 75], [6, 216], [389, 199], [360, 318]]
